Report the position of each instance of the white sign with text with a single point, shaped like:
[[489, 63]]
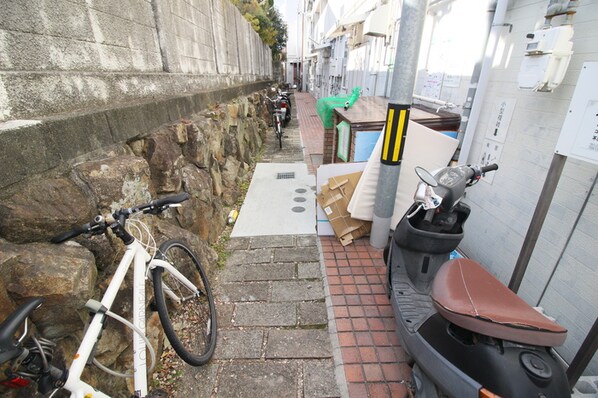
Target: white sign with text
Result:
[[579, 134]]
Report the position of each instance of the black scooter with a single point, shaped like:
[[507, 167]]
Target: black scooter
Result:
[[467, 334]]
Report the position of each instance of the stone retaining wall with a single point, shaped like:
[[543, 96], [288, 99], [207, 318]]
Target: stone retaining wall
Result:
[[208, 155]]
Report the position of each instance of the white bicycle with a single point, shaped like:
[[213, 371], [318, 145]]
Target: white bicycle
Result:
[[182, 297]]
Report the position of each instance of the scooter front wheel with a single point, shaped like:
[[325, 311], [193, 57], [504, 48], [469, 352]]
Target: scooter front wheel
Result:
[[386, 251], [423, 387]]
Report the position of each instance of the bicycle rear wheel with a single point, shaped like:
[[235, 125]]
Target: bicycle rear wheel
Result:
[[187, 316]]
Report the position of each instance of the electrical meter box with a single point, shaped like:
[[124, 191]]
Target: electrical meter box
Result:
[[579, 134], [547, 57]]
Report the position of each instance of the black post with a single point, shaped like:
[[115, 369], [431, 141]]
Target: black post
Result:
[[584, 355], [529, 243]]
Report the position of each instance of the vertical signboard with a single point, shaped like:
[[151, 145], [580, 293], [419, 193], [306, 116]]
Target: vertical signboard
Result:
[[344, 137], [500, 119], [496, 134]]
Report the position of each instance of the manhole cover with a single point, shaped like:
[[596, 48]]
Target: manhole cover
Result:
[[298, 209], [300, 190], [285, 176], [299, 199]]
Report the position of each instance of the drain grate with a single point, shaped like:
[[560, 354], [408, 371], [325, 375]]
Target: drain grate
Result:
[[285, 176]]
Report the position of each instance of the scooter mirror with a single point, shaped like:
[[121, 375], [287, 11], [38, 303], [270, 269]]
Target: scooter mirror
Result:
[[426, 176]]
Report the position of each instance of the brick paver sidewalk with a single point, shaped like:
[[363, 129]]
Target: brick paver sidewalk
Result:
[[375, 365], [370, 353], [312, 131]]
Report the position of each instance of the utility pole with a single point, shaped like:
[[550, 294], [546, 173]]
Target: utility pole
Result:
[[413, 16], [302, 64]]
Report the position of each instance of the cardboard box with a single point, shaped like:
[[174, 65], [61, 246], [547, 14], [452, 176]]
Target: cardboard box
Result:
[[334, 199], [323, 174]]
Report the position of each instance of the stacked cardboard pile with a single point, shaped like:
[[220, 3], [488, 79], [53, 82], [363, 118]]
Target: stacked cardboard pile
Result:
[[334, 199]]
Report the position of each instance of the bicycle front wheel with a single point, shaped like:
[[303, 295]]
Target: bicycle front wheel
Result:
[[188, 316]]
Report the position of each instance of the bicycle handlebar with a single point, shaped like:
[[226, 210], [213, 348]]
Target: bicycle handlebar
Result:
[[159, 205], [71, 234], [98, 225]]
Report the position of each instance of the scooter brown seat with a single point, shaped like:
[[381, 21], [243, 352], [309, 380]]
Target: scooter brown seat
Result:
[[469, 296]]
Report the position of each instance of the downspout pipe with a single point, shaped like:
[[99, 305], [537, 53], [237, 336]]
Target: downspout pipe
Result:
[[480, 93]]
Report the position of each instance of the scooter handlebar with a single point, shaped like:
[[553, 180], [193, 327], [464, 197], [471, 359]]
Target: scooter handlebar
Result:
[[473, 172], [490, 167]]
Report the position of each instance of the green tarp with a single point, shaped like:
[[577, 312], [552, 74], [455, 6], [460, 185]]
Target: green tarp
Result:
[[325, 106]]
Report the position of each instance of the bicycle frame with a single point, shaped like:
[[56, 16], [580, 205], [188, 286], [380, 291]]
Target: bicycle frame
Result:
[[137, 255]]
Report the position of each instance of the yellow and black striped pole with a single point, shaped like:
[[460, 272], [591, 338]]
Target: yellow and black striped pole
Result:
[[395, 132]]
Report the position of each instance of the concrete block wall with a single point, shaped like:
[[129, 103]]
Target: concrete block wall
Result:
[[63, 35], [563, 272], [225, 20], [187, 25], [64, 55]]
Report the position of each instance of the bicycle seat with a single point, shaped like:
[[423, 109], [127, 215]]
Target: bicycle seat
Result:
[[467, 295], [8, 329]]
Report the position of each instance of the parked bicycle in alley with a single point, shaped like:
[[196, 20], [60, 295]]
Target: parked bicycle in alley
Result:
[[280, 109]]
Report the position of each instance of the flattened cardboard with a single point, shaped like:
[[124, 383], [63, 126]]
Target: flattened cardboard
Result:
[[323, 173], [334, 198]]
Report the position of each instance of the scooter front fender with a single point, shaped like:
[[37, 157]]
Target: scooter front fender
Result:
[[439, 371]]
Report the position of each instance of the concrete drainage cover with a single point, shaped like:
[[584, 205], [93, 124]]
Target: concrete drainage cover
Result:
[[278, 191], [285, 176]]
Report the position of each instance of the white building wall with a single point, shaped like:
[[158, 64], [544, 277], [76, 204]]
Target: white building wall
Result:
[[502, 210], [563, 271], [291, 12]]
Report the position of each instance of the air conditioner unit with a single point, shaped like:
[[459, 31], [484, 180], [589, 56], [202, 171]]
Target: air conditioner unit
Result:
[[356, 36], [332, 67], [376, 23]]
